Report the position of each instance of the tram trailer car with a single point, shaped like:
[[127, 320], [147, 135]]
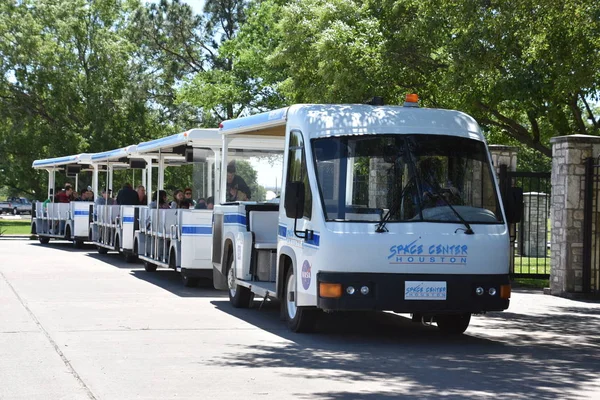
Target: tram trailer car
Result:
[[61, 221]]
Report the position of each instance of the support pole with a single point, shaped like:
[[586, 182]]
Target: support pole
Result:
[[161, 171], [223, 180], [95, 180], [149, 182], [209, 185], [51, 184], [110, 176]]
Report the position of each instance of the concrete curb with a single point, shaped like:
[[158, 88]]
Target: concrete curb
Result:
[[22, 237]]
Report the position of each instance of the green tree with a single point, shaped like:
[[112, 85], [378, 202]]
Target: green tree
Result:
[[190, 52], [525, 70], [245, 170], [69, 83]]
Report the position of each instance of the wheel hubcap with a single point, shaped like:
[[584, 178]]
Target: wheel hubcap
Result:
[[231, 282], [291, 294]]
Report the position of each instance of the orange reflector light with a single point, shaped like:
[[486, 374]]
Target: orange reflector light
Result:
[[505, 291], [412, 98], [330, 289]]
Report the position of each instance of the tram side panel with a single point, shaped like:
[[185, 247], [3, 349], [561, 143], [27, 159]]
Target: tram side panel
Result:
[[195, 242]]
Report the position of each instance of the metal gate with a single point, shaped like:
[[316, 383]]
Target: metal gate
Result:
[[530, 239], [591, 228]]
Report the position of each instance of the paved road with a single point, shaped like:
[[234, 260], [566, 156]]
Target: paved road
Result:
[[76, 325]]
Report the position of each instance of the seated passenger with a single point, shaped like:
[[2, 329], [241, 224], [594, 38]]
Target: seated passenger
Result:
[[237, 189], [127, 196], [162, 197], [210, 203], [188, 202], [84, 195], [64, 196], [105, 199], [200, 204], [177, 199], [141, 191]]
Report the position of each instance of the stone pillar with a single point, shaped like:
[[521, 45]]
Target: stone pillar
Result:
[[535, 217], [568, 156], [503, 155]]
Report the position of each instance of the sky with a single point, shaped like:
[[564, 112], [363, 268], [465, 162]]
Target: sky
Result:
[[196, 5], [267, 175]]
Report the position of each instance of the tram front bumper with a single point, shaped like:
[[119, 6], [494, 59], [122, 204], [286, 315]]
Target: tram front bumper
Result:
[[413, 293]]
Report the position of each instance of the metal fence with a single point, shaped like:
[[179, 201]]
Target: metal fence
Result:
[[591, 228], [531, 237]]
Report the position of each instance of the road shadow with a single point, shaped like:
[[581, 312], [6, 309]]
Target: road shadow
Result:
[[64, 245], [170, 281], [114, 259], [164, 278], [540, 361]]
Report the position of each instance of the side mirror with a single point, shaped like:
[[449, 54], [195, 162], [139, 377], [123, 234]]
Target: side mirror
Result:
[[294, 200], [513, 205]]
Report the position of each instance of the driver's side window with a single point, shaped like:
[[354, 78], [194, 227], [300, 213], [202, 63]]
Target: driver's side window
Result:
[[297, 171]]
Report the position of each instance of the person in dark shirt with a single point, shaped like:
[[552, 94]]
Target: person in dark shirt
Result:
[[200, 204], [237, 189], [188, 202], [127, 196], [210, 203]]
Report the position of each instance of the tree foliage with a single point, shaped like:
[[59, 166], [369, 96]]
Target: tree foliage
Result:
[[526, 70], [69, 83], [79, 75]]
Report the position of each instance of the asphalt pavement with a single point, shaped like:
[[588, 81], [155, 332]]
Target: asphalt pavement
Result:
[[78, 325]]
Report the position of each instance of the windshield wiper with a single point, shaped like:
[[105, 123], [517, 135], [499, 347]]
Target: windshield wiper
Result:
[[468, 231], [381, 225]]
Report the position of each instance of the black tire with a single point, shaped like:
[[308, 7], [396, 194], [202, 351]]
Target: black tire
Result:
[[239, 296], [44, 240], [15, 211], [187, 280], [130, 258], [102, 250], [453, 324], [304, 318], [149, 267]]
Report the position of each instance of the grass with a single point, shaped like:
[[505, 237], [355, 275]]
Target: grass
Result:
[[15, 226], [535, 265], [532, 265], [531, 283]]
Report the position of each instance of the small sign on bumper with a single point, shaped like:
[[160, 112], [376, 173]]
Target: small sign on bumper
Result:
[[424, 290]]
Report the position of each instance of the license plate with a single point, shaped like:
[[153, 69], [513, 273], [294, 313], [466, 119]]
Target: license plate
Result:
[[424, 290]]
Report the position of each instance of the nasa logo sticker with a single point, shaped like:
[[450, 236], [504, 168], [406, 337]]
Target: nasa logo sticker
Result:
[[306, 275]]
